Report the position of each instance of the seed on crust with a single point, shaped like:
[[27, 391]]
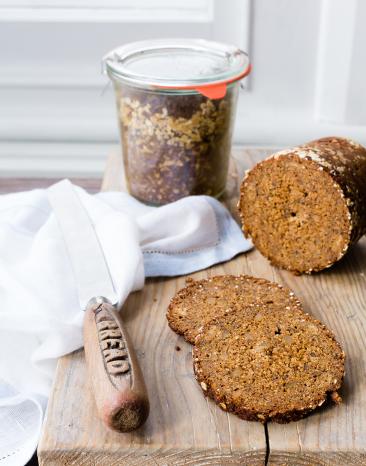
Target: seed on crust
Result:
[[202, 300], [284, 365]]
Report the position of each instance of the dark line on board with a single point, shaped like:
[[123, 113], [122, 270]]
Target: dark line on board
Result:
[[268, 450]]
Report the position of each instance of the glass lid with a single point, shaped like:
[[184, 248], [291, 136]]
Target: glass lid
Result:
[[177, 63]]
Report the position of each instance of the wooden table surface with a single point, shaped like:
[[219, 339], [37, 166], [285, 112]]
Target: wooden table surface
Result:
[[13, 185], [186, 428]]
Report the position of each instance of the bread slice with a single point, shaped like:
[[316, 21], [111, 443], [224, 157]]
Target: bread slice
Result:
[[304, 207], [268, 363], [201, 300]]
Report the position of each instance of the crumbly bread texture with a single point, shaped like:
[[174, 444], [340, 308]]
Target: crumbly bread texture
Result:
[[202, 300], [304, 207], [267, 363]]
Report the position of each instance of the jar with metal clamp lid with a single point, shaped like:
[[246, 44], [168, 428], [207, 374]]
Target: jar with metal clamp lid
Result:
[[176, 102]]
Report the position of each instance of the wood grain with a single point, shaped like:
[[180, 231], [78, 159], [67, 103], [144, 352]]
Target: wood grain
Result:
[[335, 436], [11, 185], [186, 428]]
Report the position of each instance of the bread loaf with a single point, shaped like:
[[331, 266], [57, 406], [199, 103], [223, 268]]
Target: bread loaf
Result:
[[304, 207]]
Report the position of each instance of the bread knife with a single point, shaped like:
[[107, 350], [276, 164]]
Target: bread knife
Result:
[[113, 369]]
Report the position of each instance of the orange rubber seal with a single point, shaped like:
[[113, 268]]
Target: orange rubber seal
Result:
[[215, 90]]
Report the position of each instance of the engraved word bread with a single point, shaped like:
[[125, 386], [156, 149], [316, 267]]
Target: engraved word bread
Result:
[[111, 344]]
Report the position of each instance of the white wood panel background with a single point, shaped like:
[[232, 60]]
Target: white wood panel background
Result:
[[57, 112], [125, 11], [341, 66]]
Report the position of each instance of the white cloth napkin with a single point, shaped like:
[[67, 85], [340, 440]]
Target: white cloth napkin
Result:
[[40, 315]]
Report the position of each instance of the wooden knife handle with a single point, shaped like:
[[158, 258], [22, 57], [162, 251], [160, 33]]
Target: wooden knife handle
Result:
[[117, 381]]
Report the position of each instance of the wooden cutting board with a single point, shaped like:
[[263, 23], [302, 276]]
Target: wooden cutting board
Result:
[[186, 428]]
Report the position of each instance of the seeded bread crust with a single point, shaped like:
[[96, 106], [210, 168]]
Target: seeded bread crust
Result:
[[265, 365], [339, 165], [202, 300]]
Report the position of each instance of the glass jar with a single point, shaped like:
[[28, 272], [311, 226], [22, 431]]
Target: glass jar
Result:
[[176, 102]]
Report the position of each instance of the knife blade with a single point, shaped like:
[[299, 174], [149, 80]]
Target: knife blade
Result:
[[88, 261], [116, 378]]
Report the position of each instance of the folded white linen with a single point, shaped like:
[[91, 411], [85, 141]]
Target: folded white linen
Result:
[[40, 315]]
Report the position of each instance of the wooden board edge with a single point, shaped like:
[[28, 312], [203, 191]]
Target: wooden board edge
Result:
[[145, 457], [62, 363], [317, 458]]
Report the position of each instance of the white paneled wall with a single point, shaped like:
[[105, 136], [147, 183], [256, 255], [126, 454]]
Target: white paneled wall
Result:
[[97, 11], [341, 67], [57, 112]]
